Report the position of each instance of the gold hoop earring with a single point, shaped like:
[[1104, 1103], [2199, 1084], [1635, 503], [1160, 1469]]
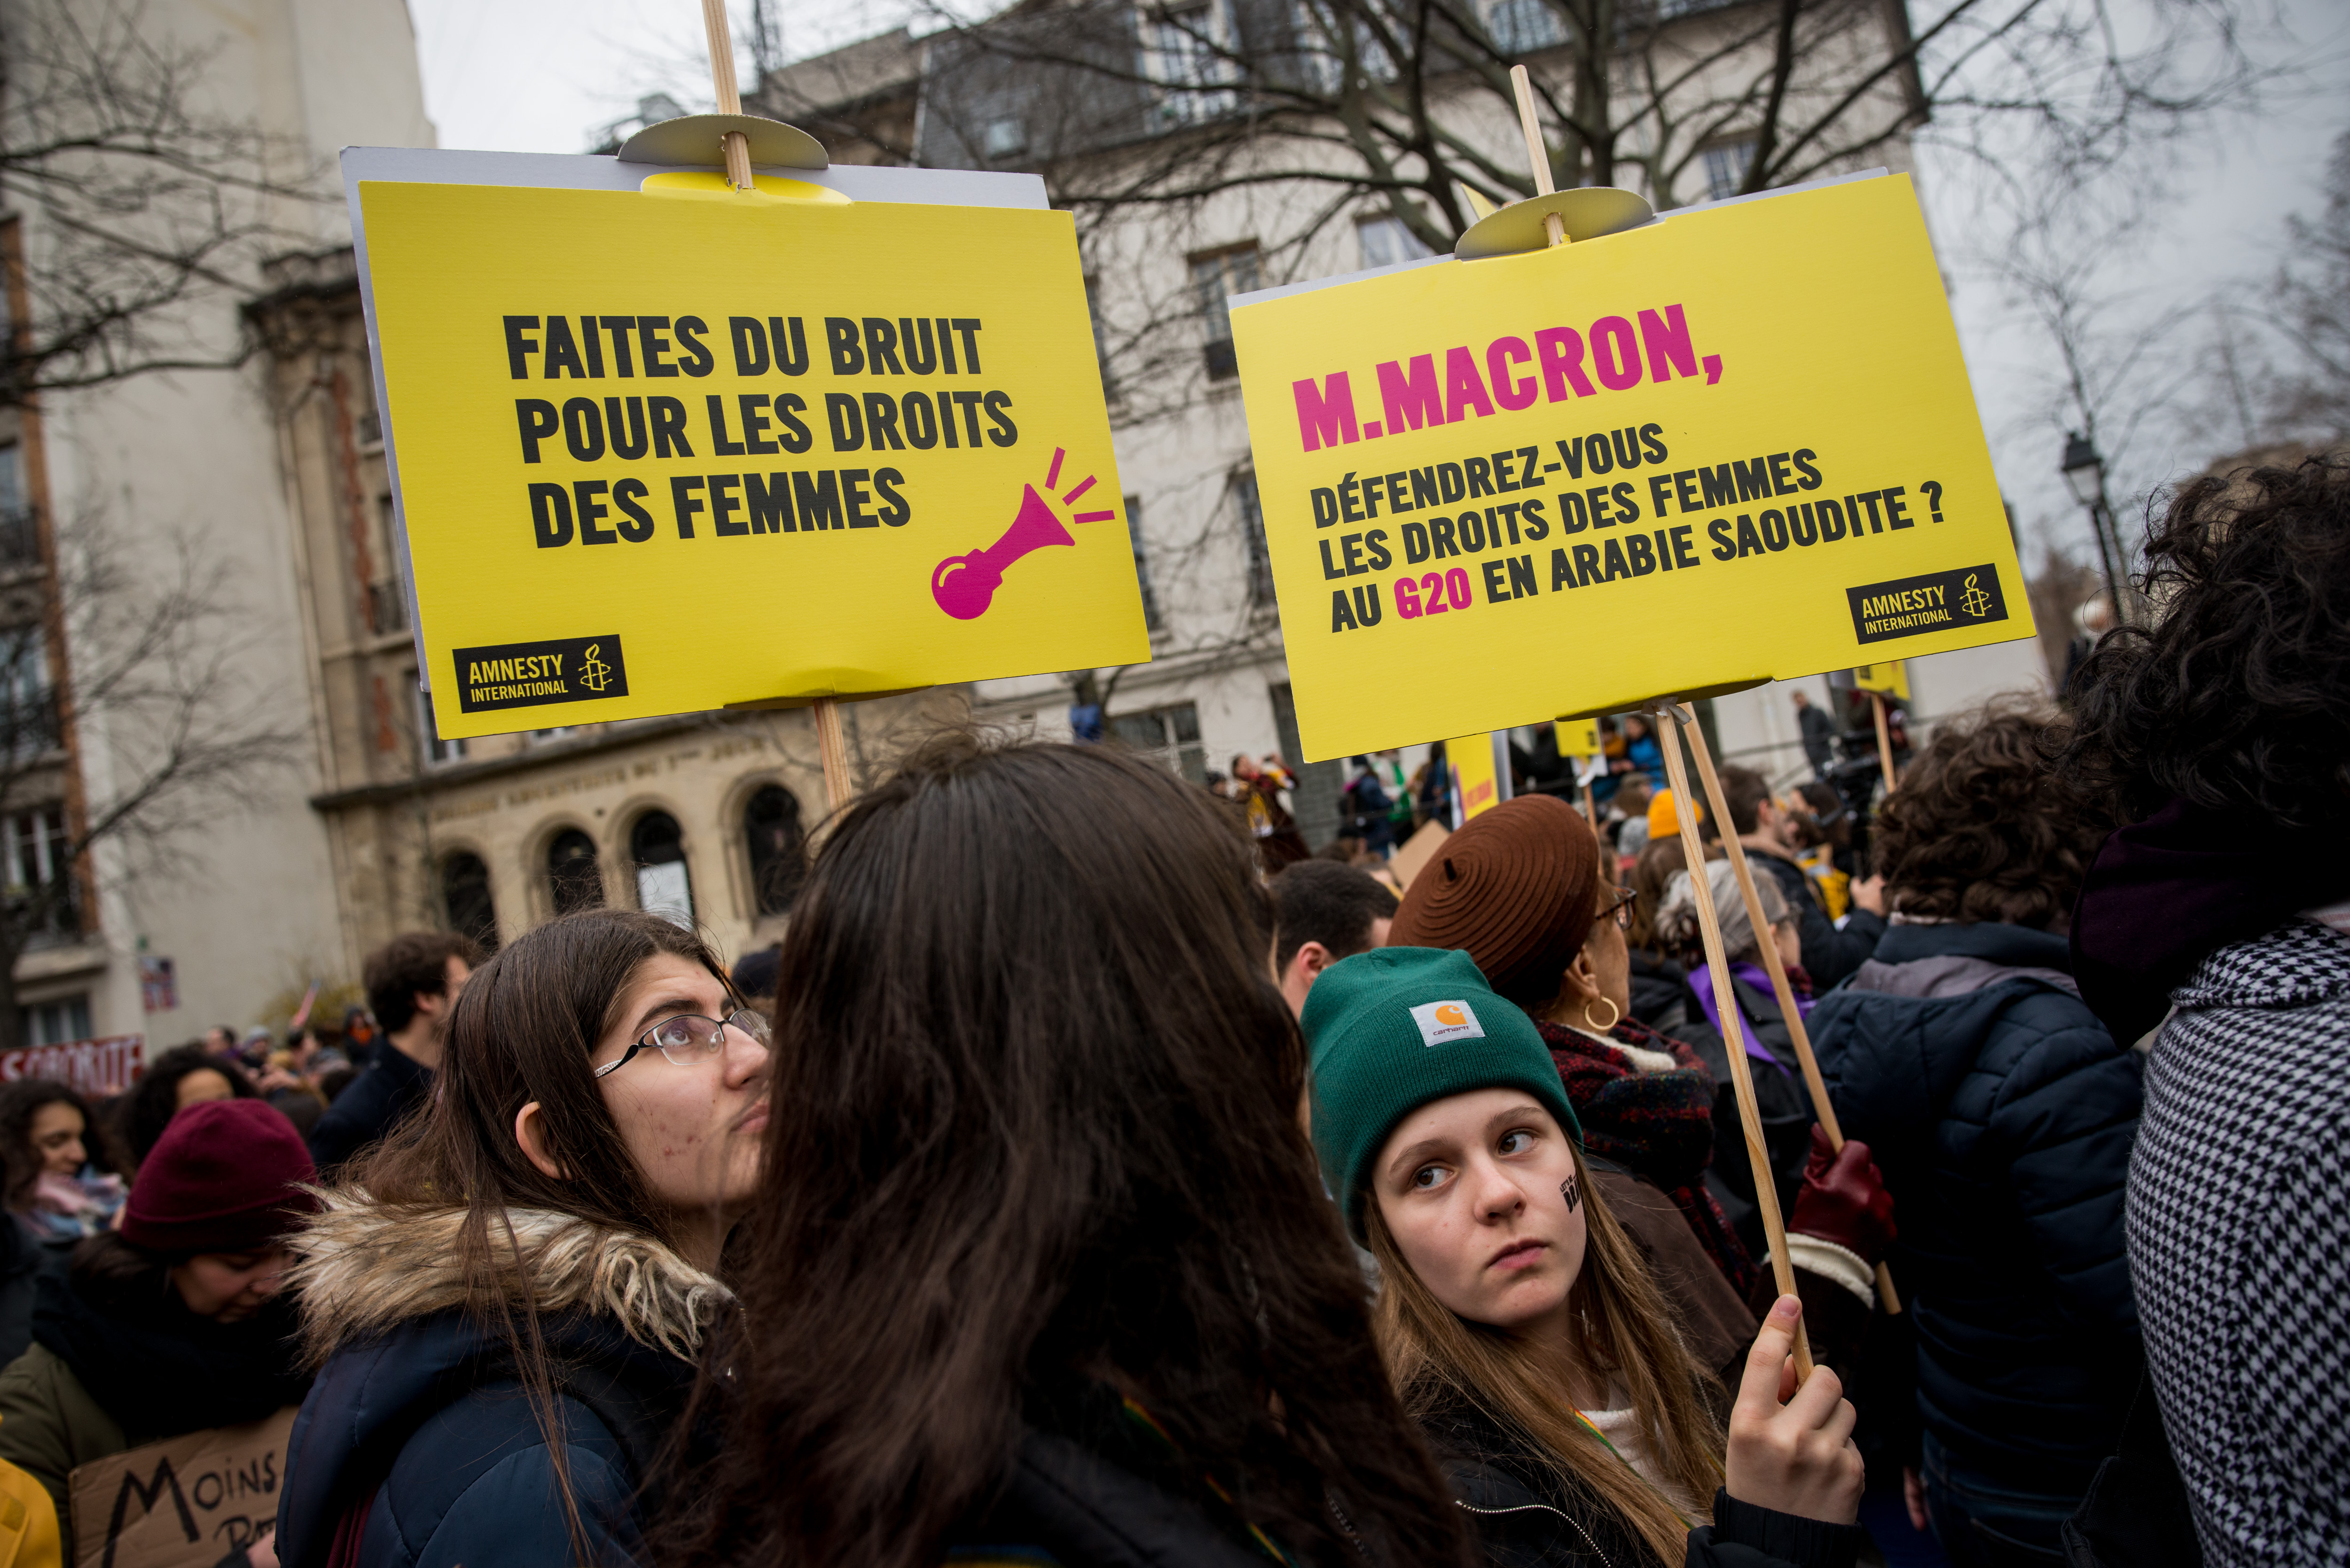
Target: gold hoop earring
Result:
[[1614, 1014]]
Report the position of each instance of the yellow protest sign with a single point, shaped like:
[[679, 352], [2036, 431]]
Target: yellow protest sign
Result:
[[1578, 738], [1479, 781], [1892, 678], [1732, 444], [674, 449]]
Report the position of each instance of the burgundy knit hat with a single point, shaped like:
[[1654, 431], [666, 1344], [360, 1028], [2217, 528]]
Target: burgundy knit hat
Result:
[[1516, 888], [221, 1179]]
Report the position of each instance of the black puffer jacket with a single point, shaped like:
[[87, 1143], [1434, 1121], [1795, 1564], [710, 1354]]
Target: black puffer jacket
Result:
[[2001, 1115], [1530, 1516]]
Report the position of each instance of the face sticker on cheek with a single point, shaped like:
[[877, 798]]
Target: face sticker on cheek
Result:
[[1572, 1193]]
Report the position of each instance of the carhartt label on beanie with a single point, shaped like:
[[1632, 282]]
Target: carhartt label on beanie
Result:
[[1443, 1021], [1398, 1028]]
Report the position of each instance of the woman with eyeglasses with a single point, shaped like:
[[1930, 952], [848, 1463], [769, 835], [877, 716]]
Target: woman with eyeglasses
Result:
[[1522, 889], [505, 1303]]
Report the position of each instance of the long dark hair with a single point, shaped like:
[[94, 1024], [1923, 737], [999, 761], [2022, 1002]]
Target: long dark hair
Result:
[[1035, 1105], [524, 1029], [21, 1101]]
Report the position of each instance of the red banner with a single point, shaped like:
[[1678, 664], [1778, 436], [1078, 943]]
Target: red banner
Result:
[[105, 1066]]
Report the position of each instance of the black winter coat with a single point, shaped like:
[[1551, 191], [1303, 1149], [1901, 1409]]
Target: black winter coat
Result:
[[424, 1443], [2001, 1115], [1529, 1516]]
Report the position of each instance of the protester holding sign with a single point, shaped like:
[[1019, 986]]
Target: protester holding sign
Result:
[[505, 1305], [1040, 1269], [2217, 920], [2003, 1113], [1517, 1317], [173, 1322]]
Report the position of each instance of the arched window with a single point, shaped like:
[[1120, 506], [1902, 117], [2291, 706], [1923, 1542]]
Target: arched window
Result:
[[658, 845], [571, 872], [465, 896], [771, 824]]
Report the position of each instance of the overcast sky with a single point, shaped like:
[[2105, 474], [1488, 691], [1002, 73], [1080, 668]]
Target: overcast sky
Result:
[[498, 76]]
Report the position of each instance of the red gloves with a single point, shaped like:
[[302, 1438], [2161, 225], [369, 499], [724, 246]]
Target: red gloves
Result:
[[1843, 1200]]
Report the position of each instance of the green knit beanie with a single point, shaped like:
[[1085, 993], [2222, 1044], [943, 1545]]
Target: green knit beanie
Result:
[[1395, 1028]]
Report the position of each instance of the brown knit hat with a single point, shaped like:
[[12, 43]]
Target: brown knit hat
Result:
[[1516, 888]]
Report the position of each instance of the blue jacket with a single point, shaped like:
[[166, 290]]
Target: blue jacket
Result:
[[428, 1428], [2001, 1115]]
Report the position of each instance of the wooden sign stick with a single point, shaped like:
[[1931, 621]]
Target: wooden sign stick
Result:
[[1821, 1108], [830, 745], [1883, 739], [1733, 1037], [1537, 154]]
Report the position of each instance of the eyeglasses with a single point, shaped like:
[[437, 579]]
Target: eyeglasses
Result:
[[690, 1037], [1621, 908]]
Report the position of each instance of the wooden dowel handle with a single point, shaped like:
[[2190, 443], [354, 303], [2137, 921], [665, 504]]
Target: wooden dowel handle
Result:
[[1733, 1037], [832, 746], [1822, 1107]]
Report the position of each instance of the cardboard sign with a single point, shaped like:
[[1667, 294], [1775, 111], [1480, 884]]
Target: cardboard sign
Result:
[[105, 1066], [672, 448], [1732, 444], [1481, 773], [184, 1503]]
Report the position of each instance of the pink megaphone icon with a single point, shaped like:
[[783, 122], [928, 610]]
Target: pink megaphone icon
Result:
[[965, 585]]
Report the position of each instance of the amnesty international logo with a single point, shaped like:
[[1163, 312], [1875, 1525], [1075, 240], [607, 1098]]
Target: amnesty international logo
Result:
[[532, 674], [1929, 602]]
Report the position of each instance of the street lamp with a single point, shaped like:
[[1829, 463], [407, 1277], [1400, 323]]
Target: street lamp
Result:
[[2084, 472]]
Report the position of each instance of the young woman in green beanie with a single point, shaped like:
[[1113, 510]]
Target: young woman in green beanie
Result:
[[1519, 1323]]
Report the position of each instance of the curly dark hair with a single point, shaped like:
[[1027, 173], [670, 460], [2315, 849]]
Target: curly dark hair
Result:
[[2239, 698], [20, 1102], [1981, 829], [154, 1100]]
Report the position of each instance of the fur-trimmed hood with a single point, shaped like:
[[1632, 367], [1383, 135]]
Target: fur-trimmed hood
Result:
[[364, 1268]]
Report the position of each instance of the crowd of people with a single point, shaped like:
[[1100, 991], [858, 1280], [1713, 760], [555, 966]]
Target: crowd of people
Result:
[[1087, 1179]]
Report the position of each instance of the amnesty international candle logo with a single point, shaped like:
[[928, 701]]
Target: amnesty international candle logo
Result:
[[527, 674], [1933, 601]]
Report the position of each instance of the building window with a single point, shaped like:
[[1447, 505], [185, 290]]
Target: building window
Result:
[[1522, 26], [28, 709], [1260, 560], [1169, 736], [40, 875], [778, 846], [1004, 137], [658, 845], [1726, 167], [1150, 616], [573, 876], [1191, 61], [465, 896], [555, 733], [20, 542], [1214, 280], [437, 751], [58, 1022], [1386, 241]]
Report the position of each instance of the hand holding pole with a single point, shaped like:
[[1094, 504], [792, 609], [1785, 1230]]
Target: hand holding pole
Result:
[[1821, 1108]]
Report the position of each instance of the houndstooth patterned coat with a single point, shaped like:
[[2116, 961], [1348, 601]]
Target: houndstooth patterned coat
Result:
[[2240, 1244]]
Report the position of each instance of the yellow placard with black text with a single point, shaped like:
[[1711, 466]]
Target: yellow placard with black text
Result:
[[1733, 444], [663, 450], [1477, 776]]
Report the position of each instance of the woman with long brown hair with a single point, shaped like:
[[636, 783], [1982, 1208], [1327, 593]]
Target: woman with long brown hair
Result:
[[1040, 1269], [507, 1299], [1518, 1319]]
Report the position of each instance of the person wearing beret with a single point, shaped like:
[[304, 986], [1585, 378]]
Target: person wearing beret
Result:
[[1522, 891], [1521, 1326], [172, 1322]]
